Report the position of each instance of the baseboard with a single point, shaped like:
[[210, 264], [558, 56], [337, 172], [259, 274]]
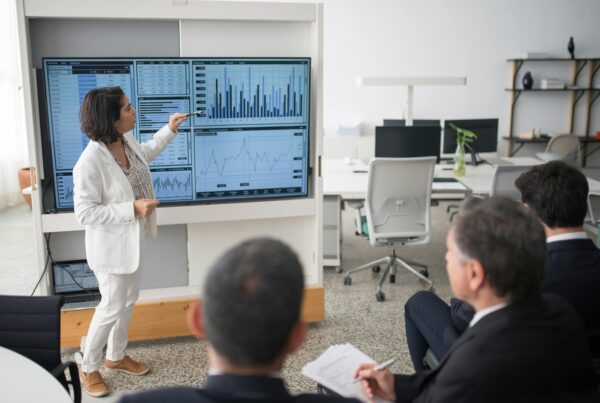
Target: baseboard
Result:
[[162, 319]]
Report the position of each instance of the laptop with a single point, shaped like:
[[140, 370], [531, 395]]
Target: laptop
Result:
[[75, 281]]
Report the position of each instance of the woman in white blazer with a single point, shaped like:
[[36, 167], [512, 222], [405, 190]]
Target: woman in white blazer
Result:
[[115, 201]]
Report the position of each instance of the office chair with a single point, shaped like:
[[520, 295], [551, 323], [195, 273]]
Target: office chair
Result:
[[564, 147], [30, 326], [503, 182], [398, 212]]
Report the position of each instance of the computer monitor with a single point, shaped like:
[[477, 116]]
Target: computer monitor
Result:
[[485, 129], [407, 141], [249, 140], [416, 122]]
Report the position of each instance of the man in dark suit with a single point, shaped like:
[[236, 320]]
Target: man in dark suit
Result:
[[250, 316], [557, 193], [519, 346]]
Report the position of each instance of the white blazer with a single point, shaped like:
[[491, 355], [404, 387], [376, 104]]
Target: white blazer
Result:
[[104, 199]]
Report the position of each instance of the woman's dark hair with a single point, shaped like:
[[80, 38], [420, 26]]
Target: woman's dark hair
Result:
[[100, 110]]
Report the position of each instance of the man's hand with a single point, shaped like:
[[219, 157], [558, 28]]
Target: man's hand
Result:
[[175, 120], [144, 207], [376, 383]]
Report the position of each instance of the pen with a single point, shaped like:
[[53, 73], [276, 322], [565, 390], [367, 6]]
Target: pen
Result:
[[195, 113], [379, 367]]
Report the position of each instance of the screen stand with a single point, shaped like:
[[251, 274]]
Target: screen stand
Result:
[[474, 160]]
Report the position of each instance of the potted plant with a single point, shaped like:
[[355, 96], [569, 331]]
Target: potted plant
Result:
[[463, 138]]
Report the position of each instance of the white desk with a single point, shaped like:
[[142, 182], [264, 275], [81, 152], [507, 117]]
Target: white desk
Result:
[[25, 381], [342, 182]]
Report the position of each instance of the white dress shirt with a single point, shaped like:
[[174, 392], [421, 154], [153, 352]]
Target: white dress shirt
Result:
[[567, 237], [480, 314]]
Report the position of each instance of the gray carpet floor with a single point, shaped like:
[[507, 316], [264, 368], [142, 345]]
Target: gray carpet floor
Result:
[[352, 316]]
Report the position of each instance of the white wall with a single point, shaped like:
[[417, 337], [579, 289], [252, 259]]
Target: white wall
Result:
[[471, 38]]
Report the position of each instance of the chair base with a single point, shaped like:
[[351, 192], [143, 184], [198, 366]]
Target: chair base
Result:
[[390, 269]]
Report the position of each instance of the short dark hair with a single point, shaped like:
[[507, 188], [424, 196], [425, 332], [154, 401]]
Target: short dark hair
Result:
[[557, 192], [509, 242], [251, 301], [100, 110]]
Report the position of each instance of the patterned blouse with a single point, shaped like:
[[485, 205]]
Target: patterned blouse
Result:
[[137, 173]]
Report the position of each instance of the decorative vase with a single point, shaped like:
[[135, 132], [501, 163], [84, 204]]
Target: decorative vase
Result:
[[571, 47], [459, 160], [25, 176], [527, 81]]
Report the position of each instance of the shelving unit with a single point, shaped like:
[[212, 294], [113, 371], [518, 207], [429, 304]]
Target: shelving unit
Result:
[[577, 92], [190, 237]]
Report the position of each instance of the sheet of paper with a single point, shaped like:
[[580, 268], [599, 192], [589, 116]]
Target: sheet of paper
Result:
[[442, 186], [335, 368]]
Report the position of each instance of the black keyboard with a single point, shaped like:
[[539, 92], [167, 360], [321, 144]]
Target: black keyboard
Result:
[[444, 180], [82, 298]]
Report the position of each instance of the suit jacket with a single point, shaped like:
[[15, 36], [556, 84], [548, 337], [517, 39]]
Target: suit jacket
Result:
[[230, 388], [532, 350], [104, 199], [573, 271]]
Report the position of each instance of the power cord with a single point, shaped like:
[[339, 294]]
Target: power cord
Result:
[[48, 259]]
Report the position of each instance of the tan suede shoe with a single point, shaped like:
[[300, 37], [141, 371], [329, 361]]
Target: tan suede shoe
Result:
[[128, 366], [93, 384]]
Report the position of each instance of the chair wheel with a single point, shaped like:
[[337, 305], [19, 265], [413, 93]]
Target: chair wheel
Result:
[[392, 278], [339, 269], [376, 269], [380, 296], [424, 273], [347, 280]]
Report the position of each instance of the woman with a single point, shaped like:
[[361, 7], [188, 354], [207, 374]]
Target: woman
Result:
[[114, 199]]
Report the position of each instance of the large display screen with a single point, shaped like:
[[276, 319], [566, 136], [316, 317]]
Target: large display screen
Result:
[[250, 139]]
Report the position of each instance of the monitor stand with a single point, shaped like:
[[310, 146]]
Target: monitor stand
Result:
[[474, 161]]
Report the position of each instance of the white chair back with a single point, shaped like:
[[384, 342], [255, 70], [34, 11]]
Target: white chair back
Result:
[[398, 204], [593, 213], [503, 182], [566, 147]]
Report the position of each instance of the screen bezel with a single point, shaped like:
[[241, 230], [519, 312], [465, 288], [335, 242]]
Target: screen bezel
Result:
[[51, 203]]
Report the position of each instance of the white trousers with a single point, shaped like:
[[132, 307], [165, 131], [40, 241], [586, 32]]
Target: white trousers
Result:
[[110, 324]]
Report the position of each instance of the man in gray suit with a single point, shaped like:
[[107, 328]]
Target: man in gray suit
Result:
[[520, 345]]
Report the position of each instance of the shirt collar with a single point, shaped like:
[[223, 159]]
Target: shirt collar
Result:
[[214, 371], [484, 312], [567, 237]]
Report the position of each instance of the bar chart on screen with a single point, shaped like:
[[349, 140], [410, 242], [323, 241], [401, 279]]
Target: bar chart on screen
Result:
[[252, 93]]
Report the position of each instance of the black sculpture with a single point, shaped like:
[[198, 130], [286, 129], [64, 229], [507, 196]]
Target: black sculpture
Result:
[[571, 48], [527, 81]]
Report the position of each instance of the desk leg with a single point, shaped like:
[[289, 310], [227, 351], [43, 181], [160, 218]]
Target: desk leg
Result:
[[332, 230]]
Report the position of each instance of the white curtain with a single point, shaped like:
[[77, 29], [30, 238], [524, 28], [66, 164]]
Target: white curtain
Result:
[[13, 139]]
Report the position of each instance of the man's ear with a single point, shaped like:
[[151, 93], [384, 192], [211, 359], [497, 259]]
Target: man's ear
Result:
[[194, 319], [476, 275], [297, 336]]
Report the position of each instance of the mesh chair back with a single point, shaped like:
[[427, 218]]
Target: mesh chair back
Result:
[[503, 183], [398, 200], [566, 148]]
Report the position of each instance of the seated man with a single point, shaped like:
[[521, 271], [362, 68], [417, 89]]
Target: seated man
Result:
[[520, 345], [557, 193], [250, 315]]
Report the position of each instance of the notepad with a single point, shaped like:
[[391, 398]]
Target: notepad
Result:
[[335, 368]]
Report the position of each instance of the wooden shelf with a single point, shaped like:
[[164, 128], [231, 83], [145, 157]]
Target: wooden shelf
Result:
[[553, 59], [550, 89], [576, 87]]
